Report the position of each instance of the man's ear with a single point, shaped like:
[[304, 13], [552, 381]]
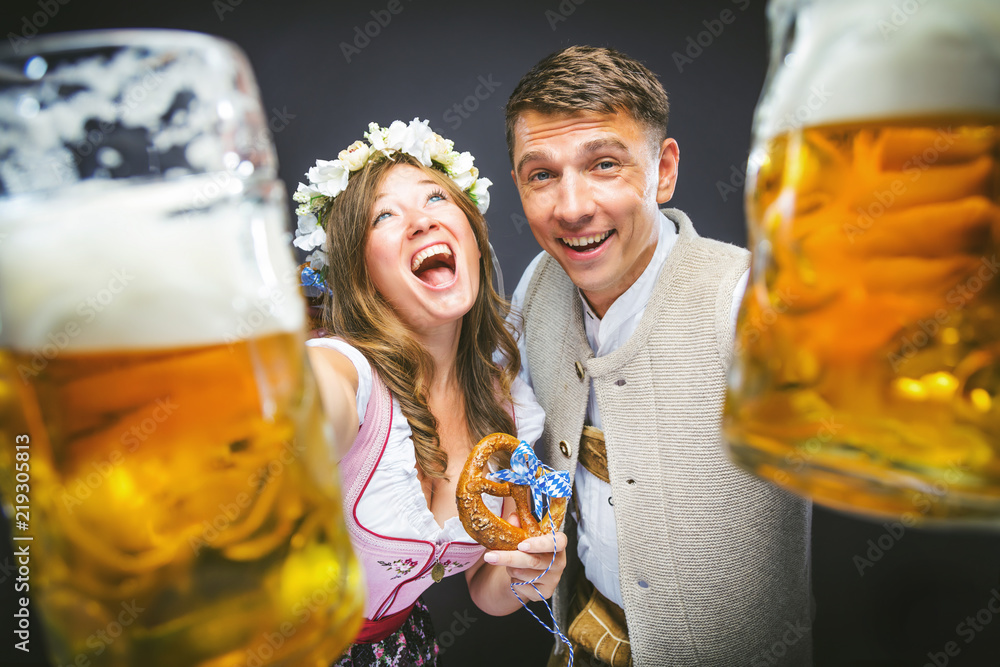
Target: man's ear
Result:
[[513, 177], [667, 164]]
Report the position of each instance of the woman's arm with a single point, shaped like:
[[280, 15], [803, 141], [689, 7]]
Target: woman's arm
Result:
[[338, 388], [489, 584]]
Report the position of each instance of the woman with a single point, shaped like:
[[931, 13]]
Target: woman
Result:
[[418, 324]]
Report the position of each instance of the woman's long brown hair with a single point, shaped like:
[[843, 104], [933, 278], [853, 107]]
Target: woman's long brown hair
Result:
[[356, 312]]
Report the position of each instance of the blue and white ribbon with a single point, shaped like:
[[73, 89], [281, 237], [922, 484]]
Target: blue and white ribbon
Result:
[[313, 279], [531, 582], [524, 467]]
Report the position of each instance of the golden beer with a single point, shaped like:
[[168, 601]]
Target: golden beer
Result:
[[866, 373], [178, 514], [868, 352], [184, 501]]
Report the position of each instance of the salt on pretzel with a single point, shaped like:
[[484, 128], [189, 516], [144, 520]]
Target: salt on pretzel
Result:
[[484, 526]]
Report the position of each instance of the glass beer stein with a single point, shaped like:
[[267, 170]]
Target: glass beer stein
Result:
[[162, 448], [866, 373]]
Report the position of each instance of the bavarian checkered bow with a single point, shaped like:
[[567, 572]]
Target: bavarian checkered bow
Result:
[[524, 466], [312, 278]]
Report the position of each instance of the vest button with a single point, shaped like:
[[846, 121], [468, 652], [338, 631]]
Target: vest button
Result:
[[579, 370], [564, 448]]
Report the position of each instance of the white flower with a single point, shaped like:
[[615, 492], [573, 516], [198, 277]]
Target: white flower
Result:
[[396, 135], [317, 260], [329, 177], [309, 241], [355, 156], [377, 136], [309, 198], [439, 147], [465, 179], [307, 224], [418, 140], [480, 194], [458, 163], [308, 233], [304, 194]]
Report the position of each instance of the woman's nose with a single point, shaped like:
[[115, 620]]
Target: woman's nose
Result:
[[421, 223]]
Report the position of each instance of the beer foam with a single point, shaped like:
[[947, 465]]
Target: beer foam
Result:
[[108, 265], [184, 98], [876, 59]]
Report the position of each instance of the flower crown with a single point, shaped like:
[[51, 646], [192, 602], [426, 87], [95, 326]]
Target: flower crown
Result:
[[329, 178]]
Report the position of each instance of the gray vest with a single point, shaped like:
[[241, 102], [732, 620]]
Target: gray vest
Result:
[[713, 562]]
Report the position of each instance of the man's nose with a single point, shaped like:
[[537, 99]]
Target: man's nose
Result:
[[575, 202]]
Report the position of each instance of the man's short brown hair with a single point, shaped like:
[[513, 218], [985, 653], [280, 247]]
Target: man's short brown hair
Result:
[[587, 78]]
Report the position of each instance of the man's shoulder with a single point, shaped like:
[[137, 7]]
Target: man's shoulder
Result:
[[719, 260], [722, 248], [687, 229], [713, 268]]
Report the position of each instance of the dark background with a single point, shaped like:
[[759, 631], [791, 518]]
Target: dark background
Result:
[[431, 56]]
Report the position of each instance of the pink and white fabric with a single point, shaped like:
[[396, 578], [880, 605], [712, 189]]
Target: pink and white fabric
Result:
[[395, 535]]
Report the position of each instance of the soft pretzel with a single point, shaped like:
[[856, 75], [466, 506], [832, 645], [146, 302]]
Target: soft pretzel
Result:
[[483, 525]]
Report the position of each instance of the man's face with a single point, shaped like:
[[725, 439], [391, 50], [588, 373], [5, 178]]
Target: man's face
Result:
[[590, 184]]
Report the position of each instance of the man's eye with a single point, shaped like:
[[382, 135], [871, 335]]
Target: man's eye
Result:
[[606, 164], [540, 176]]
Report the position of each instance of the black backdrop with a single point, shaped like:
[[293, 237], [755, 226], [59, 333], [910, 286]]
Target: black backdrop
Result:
[[322, 80]]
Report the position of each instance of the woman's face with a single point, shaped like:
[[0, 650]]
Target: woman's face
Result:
[[421, 252]]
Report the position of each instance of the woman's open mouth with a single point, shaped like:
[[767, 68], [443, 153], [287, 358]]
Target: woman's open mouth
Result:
[[434, 265]]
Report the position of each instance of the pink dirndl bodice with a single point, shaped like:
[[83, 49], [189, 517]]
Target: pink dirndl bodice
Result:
[[397, 570]]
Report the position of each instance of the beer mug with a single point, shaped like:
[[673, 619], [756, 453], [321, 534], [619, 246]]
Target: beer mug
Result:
[[866, 373], [163, 457]]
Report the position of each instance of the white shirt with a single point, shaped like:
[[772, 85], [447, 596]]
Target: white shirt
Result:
[[597, 544], [393, 503]]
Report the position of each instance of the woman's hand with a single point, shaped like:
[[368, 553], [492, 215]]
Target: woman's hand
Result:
[[490, 577], [532, 559]]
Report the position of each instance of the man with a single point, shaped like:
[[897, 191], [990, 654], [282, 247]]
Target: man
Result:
[[628, 322]]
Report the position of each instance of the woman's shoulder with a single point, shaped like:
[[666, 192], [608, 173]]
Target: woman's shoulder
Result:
[[343, 347], [360, 363]]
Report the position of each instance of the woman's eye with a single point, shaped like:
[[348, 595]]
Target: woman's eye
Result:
[[380, 216], [437, 195]]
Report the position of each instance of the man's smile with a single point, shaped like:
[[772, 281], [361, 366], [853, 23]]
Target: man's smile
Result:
[[585, 243]]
